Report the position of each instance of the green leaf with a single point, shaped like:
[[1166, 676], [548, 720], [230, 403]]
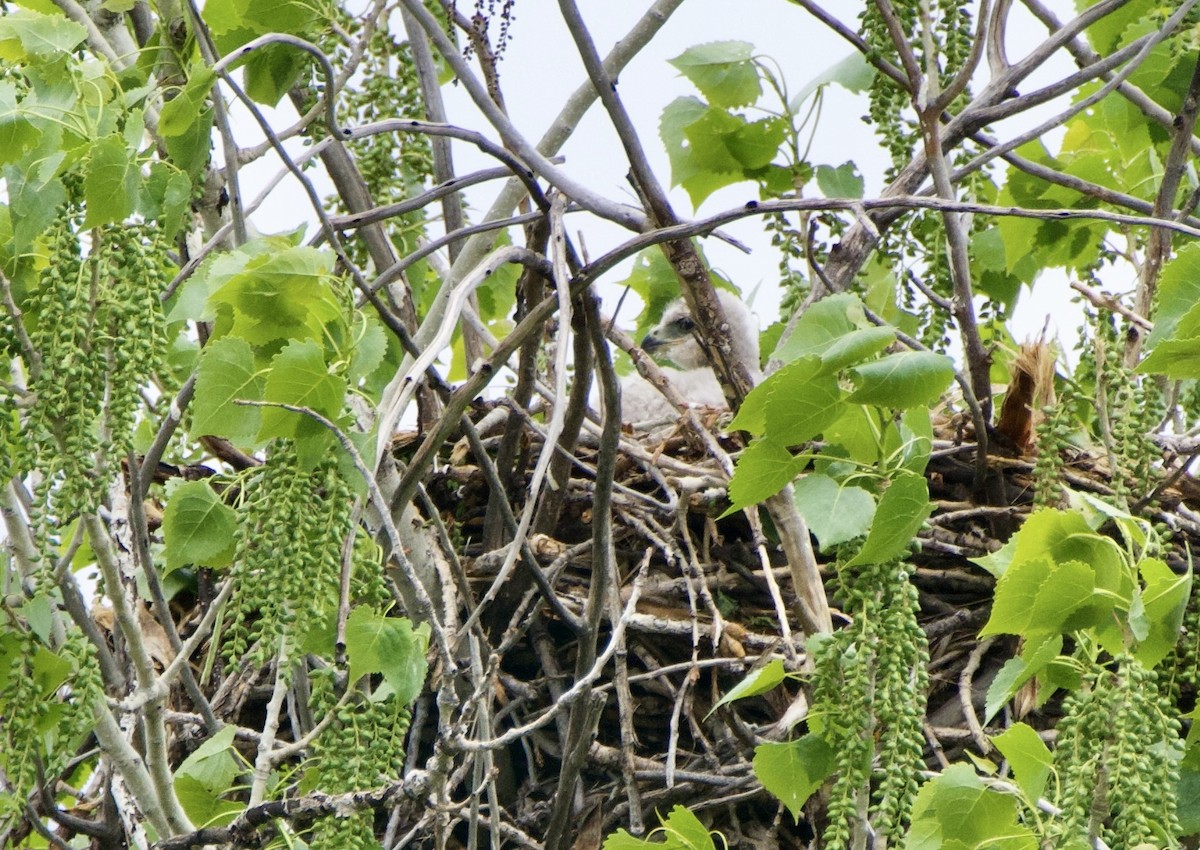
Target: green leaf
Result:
[[110, 184], [213, 763], [854, 73], [226, 373], [25, 34], [299, 377], [271, 71], [957, 806], [793, 771], [1029, 757], [17, 132], [681, 830], [902, 510], [759, 681], [203, 807], [1178, 292], [281, 295], [1036, 655], [802, 405], [191, 148], [1038, 595], [387, 645], [822, 325], [1164, 599], [724, 71], [835, 513], [710, 148], [698, 181], [205, 775], [1187, 793], [854, 347], [198, 528], [906, 379], [841, 182], [764, 468], [182, 112]]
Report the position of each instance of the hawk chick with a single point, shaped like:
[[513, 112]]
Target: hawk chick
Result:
[[675, 339]]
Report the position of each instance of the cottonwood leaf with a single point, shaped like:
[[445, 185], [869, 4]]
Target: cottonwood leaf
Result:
[[680, 830], [758, 682], [793, 771], [844, 181], [854, 73], [387, 645], [956, 805], [281, 295], [182, 112], [834, 512], [300, 377], [764, 468], [226, 374], [723, 71], [1039, 595], [198, 528], [1028, 756], [906, 379], [822, 325], [27, 34], [1178, 292], [110, 183], [1164, 598], [903, 509], [1036, 655]]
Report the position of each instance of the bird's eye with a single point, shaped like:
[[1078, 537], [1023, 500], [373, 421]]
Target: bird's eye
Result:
[[685, 324]]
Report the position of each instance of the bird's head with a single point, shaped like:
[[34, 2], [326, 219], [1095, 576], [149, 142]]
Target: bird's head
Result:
[[675, 338]]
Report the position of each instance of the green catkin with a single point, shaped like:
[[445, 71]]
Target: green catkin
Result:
[[288, 561], [869, 700], [363, 748], [1053, 435], [1118, 748], [40, 730], [132, 320]]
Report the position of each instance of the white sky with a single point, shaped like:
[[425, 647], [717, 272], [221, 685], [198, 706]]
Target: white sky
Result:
[[541, 68]]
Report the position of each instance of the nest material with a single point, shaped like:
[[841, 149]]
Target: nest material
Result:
[[706, 617]]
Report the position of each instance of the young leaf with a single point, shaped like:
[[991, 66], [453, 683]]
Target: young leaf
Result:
[[764, 468], [680, 830], [198, 528], [758, 682], [281, 295], [1036, 655], [834, 512], [855, 346], [299, 377], [227, 373], [902, 510], [802, 405], [1029, 757], [182, 112], [906, 379], [111, 182], [841, 182], [1164, 599], [1038, 595], [387, 645], [1178, 292], [956, 806], [30, 35], [822, 325], [724, 72], [793, 771]]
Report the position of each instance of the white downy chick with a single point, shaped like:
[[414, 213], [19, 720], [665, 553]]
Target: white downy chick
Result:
[[675, 339]]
